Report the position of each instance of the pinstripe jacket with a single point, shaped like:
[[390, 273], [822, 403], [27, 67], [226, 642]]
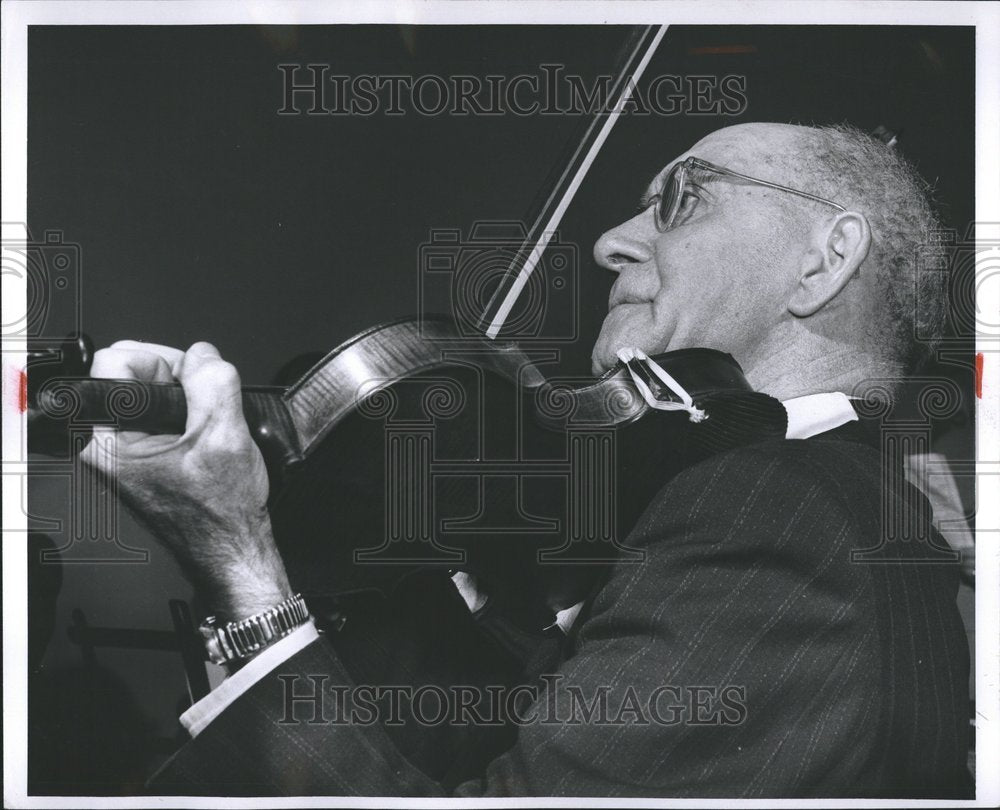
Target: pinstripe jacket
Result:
[[749, 655]]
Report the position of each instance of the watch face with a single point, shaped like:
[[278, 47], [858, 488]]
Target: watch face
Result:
[[213, 649]]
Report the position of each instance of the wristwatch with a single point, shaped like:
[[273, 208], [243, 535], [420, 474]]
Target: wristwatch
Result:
[[237, 641]]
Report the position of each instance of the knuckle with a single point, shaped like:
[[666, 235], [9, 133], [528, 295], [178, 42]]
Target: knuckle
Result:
[[105, 353], [223, 441], [217, 374], [224, 446], [106, 361], [203, 347]]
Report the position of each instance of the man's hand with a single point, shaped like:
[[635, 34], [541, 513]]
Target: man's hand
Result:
[[203, 494]]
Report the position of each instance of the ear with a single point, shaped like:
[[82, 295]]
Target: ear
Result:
[[837, 253]]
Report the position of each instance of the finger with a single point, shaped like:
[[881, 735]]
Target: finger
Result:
[[102, 449], [172, 356], [212, 388], [131, 364], [122, 364]]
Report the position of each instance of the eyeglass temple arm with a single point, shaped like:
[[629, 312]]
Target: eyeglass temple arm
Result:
[[710, 167]]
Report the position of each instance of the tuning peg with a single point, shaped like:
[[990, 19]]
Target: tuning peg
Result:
[[72, 357]]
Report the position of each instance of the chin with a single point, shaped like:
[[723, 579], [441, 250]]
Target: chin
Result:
[[615, 333], [605, 354], [604, 357]]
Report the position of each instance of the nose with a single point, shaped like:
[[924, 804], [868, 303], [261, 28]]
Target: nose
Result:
[[626, 244]]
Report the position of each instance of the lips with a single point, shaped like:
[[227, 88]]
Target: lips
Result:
[[617, 298], [630, 288]]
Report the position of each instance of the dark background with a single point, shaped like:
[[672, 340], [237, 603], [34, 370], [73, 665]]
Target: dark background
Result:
[[202, 214]]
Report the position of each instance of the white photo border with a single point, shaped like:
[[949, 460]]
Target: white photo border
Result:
[[18, 15]]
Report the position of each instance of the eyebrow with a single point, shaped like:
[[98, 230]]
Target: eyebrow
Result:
[[647, 197], [653, 189]]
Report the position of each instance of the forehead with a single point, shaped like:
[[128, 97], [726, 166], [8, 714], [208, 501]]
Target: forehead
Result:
[[748, 148]]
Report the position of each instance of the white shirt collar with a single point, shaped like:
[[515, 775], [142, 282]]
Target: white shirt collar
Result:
[[818, 413]]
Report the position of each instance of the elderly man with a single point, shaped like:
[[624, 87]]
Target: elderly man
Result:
[[791, 248]]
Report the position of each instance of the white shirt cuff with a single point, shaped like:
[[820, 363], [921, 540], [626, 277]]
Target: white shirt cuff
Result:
[[215, 702]]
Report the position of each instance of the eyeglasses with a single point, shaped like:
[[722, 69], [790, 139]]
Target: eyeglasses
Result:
[[682, 183]]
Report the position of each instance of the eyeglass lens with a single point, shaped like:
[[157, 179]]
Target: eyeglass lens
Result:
[[670, 197]]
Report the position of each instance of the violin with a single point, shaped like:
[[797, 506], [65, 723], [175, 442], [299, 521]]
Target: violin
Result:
[[410, 446]]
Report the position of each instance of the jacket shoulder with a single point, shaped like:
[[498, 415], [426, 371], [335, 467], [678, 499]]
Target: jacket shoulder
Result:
[[753, 493]]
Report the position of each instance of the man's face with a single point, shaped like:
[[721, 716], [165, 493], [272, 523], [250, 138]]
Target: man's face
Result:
[[721, 277]]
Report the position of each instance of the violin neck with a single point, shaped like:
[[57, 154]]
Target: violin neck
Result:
[[62, 406]]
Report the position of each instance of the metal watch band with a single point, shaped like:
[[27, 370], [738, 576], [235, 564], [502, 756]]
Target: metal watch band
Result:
[[238, 640]]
